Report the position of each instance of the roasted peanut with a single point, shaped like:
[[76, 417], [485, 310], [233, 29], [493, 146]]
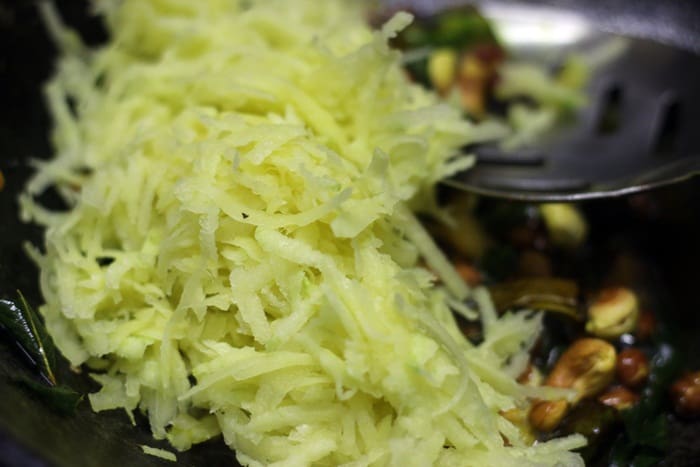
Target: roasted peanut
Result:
[[546, 415], [531, 376], [613, 313], [519, 418], [471, 67], [632, 367], [685, 395], [619, 397], [473, 76], [472, 96], [588, 366], [566, 225], [442, 69]]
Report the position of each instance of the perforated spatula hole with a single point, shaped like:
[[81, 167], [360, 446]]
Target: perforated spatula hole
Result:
[[666, 137], [610, 116]]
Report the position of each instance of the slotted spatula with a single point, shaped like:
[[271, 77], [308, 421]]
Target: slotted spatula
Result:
[[640, 129]]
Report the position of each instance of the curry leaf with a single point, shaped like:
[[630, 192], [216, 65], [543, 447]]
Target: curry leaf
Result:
[[25, 325], [60, 398], [647, 430], [459, 28]]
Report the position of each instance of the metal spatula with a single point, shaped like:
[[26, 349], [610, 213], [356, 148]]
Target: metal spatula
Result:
[[640, 130]]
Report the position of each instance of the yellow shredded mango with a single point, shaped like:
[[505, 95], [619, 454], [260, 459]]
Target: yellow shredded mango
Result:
[[159, 453], [241, 255]]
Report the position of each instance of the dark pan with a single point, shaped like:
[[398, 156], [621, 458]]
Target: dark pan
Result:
[[31, 434]]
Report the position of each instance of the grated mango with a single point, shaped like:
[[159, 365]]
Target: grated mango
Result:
[[240, 256]]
